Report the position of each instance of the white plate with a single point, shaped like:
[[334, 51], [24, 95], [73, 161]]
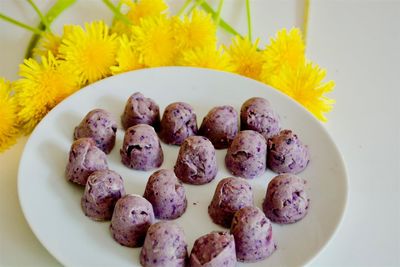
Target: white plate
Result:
[[52, 205]]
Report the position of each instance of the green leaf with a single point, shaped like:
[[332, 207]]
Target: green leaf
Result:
[[222, 23], [117, 13], [50, 16], [57, 9]]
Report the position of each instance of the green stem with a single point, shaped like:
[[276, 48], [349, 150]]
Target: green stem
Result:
[[305, 20], [218, 15], [20, 24], [195, 5], [118, 7], [42, 18], [50, 16], [249, 26], [222, 23], [117, 13], [182, 9]]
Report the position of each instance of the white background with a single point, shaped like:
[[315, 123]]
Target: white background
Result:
[[358, 42]]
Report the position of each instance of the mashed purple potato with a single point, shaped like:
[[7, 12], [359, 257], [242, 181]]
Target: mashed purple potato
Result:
[[84, 158], [99, 125], [140, 110], [196, 162], [167, 195], [246, 157]]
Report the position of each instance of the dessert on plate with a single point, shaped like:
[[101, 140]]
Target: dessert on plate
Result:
[[141, 149], [286, 199], [167, 195], [140, 110], [178, 122], [196, 162], [99, 125], [246, 157], [220, 126], [84, 158], [231, 195], [131, 219]]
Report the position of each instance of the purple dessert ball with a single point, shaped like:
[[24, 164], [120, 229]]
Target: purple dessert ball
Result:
[[286, 200], [141, 149], [220, 125], [165, 245], [253, 235], [286, 153], [131, 219], [257, 114], [84, 158], [167, 195], [196, 162], [102, 191], [216, 249], [231, 195], [178, 122], [246, 157], [140, 110], [99, 125]]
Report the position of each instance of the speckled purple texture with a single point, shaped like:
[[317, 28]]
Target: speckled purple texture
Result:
[[131, 219], [84, 159], [99, 125], [196, 162], [102, 191], [167, 195], [220, 125], [231, 195], [286, 200], [286, 153], [246, 157], [178, 122], [164, 246], [216, 249], [140, 110], [253, 235], [257, 114], [141, 149]]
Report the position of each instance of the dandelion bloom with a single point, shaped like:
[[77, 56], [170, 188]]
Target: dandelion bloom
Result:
[[154, 40], [207, 57], [305, 85], [127, 57], [8, 114], [197, 31], [42, 86], [139, 10], [286, 49], [91, 52], [245, 58], [48, 42]]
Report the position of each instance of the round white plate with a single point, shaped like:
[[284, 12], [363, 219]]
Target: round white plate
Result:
[[52, 205]]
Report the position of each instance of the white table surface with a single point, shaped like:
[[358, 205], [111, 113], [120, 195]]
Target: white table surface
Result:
[[359, 44]]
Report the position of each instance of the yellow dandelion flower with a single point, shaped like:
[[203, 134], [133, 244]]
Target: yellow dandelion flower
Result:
[[127, 57], [245, 58], [118, 27], [286, 49], [197, 31], [305, 85], [154, 40], [42, 86], [91, 52], [48, 42], [8, 114], [207, 57], [137, 11], [144, 8]]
